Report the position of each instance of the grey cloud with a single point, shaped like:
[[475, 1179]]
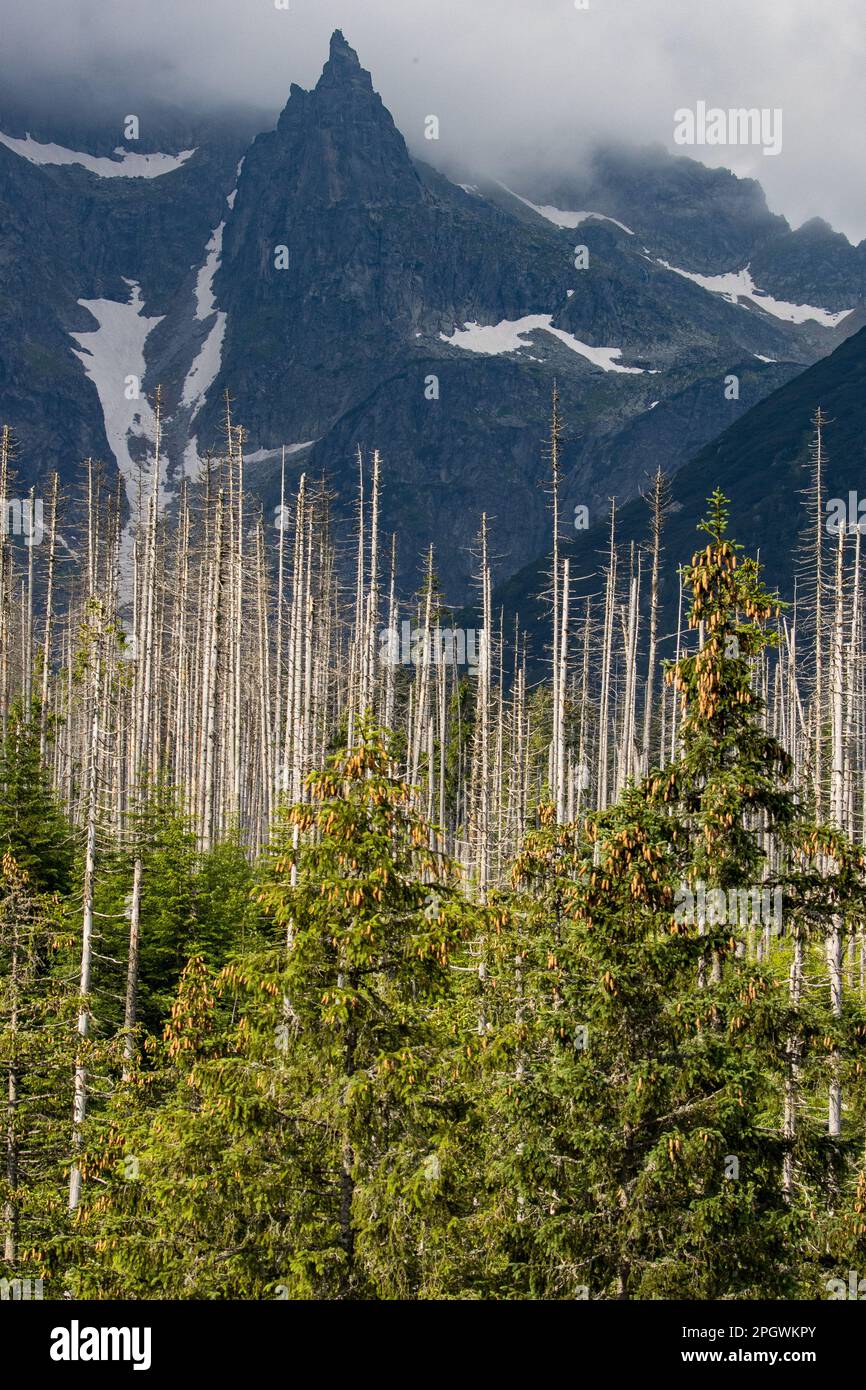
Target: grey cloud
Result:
[[514, 83]]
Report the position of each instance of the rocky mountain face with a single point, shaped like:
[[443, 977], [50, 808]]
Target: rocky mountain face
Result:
[[345, 294], [711, 222], [70, 237]]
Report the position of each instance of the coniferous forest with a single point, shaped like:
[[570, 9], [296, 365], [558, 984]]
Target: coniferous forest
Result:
[[351, 952]]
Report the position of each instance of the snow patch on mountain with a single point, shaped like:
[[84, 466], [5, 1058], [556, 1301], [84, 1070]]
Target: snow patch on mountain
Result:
[[191, 461], [737, 285], [561, 217], [203, 372], [129, 165], [205, 369], [111, 354], [511, 335], [205, 304], [261, 455], [234, 193]]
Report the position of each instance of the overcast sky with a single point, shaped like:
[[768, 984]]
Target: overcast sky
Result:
[[510, 80]]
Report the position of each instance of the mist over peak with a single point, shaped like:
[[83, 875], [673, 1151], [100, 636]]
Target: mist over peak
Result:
[[513, 89]]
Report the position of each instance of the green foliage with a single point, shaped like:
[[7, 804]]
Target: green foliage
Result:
[[191, 904], [358, 1082], [38, 1012], [32, 827]]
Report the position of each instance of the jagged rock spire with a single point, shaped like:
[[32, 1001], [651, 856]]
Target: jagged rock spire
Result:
[[343, 61]]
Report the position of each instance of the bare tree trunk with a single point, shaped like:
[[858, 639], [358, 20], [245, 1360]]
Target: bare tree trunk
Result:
[[481, 751], [131, 998], [79, 1109], [837, 776], [559, 713], [657, 502], [793, 1048], [817, 462], [209, 726], [49, 614], [10, 1206], [555, 759], [606, 660]]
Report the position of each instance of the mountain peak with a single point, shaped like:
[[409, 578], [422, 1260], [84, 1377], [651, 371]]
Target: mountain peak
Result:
[[339, 140], [343, 64], [343, 79], [341, 49]]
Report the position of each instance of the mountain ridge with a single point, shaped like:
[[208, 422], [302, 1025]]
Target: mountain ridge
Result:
[[412, 314], [761, 463]]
